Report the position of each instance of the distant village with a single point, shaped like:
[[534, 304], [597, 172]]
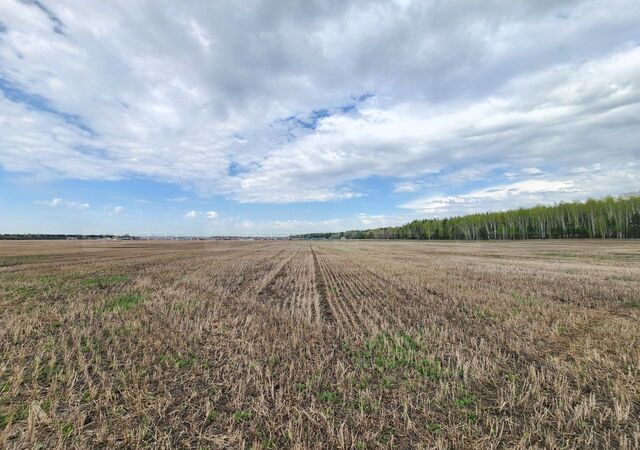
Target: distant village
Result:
[[126, 237]]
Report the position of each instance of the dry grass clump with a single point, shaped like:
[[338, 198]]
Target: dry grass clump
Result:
[[320, 345]]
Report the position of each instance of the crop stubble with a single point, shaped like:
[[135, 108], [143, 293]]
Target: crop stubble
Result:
[[320, 344]]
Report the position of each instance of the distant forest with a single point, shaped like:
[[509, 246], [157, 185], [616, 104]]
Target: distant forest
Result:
[[614, 218]]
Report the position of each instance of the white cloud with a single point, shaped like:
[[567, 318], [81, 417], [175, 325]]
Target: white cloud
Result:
[[115, 210], [195, 214], [577, 184], [527, 193], [523, 193], [64, 203], [406, 186], [53, 203], [203, 89], [527, 171], [379, 220], [513, 129]]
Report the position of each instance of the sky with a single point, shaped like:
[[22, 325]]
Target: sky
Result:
[[281, 117]]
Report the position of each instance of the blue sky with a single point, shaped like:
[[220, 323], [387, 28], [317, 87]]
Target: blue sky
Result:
[[287, 117]]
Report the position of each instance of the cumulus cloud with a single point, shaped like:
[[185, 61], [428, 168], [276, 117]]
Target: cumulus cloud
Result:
[[522, 192], [579, 184], [316, 97], [56, 202], [195, 214], [583, 114], [115, 210]]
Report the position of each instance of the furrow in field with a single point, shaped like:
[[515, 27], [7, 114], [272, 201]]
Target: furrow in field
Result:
[[385, 289], [382, 302], [293, 289], [379, 304], [331, 296], [324, 311], [305, 294], [363, 305], [261, 283], [346, 313]]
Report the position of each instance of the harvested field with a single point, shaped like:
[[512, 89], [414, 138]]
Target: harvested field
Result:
[[320, 344]]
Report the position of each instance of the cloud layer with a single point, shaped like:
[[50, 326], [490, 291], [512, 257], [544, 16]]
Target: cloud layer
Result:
[[59, 202], [279, 102]]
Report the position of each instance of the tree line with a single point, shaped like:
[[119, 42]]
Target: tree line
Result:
[[610, 218]]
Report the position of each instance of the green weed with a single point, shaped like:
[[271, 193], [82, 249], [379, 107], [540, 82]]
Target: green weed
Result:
[[67, 429], [472, 417], [213, 416], [49, 372], [242, 416], [329, 397], [50, 280], [124, 302], [484, 314], [185, 362], [387, 352], [26, 292], [104, 281], [464, 397], [632, 303]]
